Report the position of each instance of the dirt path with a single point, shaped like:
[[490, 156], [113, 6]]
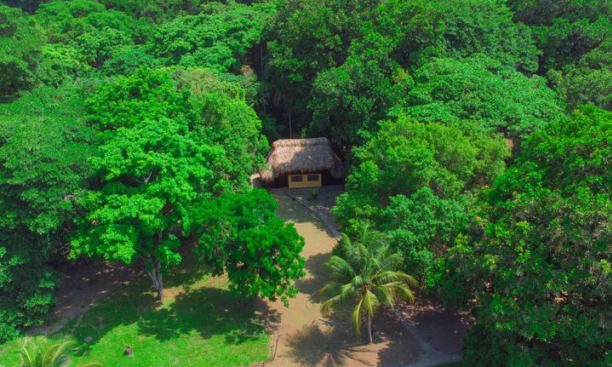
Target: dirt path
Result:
[[305, 337]]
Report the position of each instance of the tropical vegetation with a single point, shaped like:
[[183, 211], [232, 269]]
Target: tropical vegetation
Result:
[[366, 273], [55, 355], [476, 137]]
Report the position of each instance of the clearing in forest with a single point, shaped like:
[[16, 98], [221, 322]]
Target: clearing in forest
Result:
[[305, 337]]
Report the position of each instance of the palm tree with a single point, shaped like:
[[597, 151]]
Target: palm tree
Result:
[[366, 275], [55, 355]]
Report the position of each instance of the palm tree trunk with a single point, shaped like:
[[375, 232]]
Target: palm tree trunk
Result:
[[370, 327]]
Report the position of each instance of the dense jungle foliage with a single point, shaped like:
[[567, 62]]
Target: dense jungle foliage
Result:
[[477, 135]]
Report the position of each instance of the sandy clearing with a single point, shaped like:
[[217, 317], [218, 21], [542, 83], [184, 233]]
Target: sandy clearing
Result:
[[304, 337]]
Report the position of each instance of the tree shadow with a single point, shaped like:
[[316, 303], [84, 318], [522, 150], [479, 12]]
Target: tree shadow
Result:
[[188, 273], [318, 275], [333, 342], [317, 345], [207, 311], [125, 307], [399, 352], [291, 210], [401, 348], [443, 329]]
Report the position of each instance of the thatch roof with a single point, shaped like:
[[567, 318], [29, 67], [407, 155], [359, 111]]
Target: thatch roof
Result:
[[301, 156]]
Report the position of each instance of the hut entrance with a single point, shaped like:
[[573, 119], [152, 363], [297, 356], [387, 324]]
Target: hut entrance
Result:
[[300, 180], [302, 163]]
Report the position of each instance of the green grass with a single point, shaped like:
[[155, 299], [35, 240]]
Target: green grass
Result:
[[199, 324]]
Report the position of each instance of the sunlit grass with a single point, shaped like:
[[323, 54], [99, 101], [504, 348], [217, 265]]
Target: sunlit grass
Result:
[[199, 324]]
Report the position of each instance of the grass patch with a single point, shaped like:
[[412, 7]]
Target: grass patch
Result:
[[200, 323]]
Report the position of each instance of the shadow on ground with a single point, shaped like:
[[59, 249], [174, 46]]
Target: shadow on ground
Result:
[[291, 210], [333, 342], [207, 311], [316, 346], [318, 276]]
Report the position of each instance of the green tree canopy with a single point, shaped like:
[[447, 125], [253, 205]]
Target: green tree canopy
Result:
[[432, 166], [156, 162], [565, 30], [242, 236], [166, 148], [539, 260], [588, 81], [26, 5], [64, 21], [219, 40], [20, 50], [481, 89], [96, 47], [335, 68], [307, 38], [457, 29], [61, 63], [127, 59], [44, 148], [156, 11], [349, 99]]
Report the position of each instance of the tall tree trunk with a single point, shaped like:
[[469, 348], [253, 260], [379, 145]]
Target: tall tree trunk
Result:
[[290, 126], [153, 268], [370, 327]]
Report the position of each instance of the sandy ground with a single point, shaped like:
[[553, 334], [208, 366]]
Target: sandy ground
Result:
[[443, 329], [302, 336]]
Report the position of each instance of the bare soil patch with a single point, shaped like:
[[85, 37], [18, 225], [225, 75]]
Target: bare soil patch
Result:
[[443, 329]]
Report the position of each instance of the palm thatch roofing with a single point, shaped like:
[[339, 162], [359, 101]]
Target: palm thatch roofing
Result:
[[301, 156]]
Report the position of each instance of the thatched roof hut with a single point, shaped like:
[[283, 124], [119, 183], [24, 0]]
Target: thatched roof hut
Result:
[[301, 156]]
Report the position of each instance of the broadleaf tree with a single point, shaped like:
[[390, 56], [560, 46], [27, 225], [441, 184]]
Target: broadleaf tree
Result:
[[433, 167], [538, 256], [241, 236], [21, 40], [44, 150], [168, 147]]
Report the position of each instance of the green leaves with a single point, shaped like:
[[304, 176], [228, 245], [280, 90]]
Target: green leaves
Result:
[[44, 148], [219, 40], [365, 272], [20, 51], [480, 89], [337, 68], [97, 47], [587, 81], [416, 183], [458, 29], [242, 236], [174, 162], [566, 30], [65, 21], [537, 262], [406, 156], [154, 166]]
